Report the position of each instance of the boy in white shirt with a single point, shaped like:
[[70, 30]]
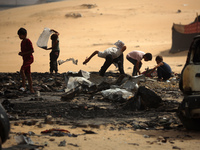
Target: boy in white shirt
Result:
[[112, 55]]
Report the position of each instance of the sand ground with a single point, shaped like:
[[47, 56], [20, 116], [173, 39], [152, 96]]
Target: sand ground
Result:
[[142, 25], [109, 139]]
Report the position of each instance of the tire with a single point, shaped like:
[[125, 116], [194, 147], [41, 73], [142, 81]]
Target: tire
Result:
[[189, 123], [189, 103], [4, 125]]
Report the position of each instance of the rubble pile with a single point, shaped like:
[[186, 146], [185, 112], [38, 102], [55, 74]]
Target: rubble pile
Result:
[[87, 99]]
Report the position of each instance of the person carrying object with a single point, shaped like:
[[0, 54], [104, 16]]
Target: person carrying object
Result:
[[111, 55], [55, 51]]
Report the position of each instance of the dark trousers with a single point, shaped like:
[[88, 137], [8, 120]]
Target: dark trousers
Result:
[[134, 62], [163, 74], [109, 60], [53, 61]]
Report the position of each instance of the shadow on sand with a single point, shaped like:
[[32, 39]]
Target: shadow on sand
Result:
[[166, 53]]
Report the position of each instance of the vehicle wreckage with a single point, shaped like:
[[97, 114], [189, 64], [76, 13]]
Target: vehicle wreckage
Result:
[[189, 109]]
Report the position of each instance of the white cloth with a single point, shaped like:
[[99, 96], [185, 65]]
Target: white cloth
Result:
[[114, 51], [74, 61], [119, 44]]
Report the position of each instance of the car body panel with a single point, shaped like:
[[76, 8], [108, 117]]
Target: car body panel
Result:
[[191, 78]]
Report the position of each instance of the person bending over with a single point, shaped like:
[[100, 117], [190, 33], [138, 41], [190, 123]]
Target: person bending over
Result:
[[163, 69], [111, 55], [136, 57]]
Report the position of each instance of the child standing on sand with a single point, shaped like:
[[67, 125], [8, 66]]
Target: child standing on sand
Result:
[[55, 52], [26, 53]]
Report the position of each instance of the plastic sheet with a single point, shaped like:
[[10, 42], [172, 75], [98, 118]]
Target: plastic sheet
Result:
[[73, 82], [21, 139], [44, 37], [116, 94]]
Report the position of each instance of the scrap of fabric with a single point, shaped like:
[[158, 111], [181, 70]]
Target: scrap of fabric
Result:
[[74, 61]]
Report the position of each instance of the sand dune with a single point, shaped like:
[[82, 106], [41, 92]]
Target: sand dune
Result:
[[142, 25]]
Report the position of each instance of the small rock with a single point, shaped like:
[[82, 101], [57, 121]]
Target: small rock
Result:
[[39, 124], [176, 147], [89, 6], [146, 136], [51, 139], [73, 15], [62, 143], [48, 119]]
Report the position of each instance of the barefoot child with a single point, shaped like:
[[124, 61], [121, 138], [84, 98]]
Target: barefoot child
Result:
[[27, 56]]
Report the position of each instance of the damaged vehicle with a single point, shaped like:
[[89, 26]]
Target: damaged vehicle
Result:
[[4, 126], [189, 109]]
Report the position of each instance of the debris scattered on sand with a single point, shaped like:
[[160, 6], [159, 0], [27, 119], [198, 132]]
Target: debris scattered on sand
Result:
[[66, 96], [89, 6], [74, 61], [73, 15]]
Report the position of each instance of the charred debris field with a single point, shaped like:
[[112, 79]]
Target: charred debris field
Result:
[[85, 99]]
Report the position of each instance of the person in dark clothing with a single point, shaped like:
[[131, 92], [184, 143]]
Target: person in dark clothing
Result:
[[27, 56], [163, 69], [55, 52], [111, 55]]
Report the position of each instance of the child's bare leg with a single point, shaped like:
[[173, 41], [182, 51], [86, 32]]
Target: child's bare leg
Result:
[[23, 78], [30, 83]]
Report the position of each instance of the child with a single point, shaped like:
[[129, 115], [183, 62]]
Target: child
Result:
[[163, 69], [55, 52], [135, 57], [26, 53], [111, 55]]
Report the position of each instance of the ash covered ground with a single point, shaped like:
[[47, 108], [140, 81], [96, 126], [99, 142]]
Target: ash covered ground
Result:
[[88, 107]]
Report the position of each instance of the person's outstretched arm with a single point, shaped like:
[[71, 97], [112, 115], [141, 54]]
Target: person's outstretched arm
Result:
[[54, 45], [158, 65], [92, 55]]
